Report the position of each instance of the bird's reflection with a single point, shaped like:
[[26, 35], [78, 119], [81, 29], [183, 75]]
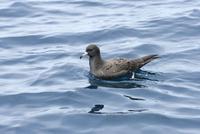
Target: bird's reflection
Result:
[[133, 98], [98, 107]]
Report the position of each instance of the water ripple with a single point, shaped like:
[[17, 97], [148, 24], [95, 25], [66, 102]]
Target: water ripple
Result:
[[45, 87]]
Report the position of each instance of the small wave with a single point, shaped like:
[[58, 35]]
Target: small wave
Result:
[[17, 9], [195, 13], [181, 27], [87, 4], [58, 75]]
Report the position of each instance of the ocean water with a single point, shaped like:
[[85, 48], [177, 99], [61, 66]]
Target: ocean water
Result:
[[45, 88]]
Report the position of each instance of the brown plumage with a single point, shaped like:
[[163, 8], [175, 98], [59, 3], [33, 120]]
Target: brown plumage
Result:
[[113, 68]]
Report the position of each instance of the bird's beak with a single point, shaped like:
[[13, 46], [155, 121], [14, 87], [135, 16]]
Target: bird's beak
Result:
[[83, 55]]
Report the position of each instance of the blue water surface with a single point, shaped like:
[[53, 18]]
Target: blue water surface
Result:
[[45, 88]]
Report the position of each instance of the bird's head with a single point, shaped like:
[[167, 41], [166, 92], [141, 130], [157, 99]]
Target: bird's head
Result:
[[91, 50]]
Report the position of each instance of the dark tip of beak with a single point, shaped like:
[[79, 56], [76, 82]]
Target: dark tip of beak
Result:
[[84, 54]]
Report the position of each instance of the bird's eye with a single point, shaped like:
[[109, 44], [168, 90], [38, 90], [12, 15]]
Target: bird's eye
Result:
[[89, 50]]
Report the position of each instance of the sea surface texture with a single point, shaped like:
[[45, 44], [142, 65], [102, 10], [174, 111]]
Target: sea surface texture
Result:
[[45, 88]]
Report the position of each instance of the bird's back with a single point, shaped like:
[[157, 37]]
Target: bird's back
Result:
[[113, 68], [119, 67]]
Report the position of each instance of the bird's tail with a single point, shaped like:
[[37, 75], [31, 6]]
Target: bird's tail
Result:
[[140, 62]]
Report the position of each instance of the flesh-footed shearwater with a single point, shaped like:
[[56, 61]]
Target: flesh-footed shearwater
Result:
[[113, 68]]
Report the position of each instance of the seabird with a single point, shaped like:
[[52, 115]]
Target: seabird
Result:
[[113, 68]]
